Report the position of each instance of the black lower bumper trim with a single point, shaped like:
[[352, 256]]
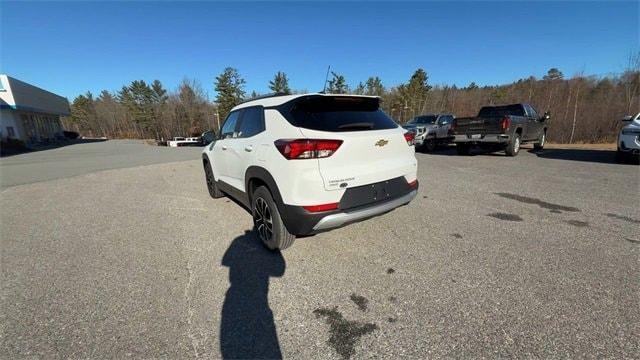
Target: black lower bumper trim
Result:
[[301, 222]]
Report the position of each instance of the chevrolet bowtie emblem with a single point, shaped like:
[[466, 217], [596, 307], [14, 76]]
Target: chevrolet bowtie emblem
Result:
[[382, 142]]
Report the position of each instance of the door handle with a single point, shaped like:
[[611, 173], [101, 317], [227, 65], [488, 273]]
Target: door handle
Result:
[[224, 147], [248, 148]]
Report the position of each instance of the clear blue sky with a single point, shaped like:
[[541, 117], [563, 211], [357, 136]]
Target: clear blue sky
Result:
[[69, 48]]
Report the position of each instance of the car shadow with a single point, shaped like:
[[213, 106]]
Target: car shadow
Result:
[[595, 156], [450, 150], [10, 151], [447, 150], [247, 329]]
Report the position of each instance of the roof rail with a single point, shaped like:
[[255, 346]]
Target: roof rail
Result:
[[264, 97]]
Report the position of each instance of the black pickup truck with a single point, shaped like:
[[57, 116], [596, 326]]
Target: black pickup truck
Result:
[[507, 126]]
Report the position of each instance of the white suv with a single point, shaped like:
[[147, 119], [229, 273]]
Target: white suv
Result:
[[309, 163]]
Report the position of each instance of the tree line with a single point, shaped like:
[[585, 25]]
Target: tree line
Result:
[[583, 108]]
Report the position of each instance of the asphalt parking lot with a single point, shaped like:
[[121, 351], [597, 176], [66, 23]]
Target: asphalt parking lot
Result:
[[116, 250]]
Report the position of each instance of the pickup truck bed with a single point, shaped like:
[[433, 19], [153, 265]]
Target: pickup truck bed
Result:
[[508, 126]]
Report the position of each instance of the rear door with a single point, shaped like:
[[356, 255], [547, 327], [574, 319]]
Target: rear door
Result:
[[535, 126], [444, 123], [373, 147], [241, 152], [529, 125]]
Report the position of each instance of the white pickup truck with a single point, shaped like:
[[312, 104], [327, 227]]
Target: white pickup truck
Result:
[[629, 139], [182, 141]]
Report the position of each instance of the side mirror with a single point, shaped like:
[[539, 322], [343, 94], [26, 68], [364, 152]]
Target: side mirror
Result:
[[546, 116], [208, 137], [627, 118]]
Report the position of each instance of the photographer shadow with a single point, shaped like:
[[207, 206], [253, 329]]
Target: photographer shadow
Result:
[[247, 329]]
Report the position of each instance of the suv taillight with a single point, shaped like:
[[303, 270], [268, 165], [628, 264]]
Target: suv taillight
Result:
[[505, 123], [410, 137], [296, 149]]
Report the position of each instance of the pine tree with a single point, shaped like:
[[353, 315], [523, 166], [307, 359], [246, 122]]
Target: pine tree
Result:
[[374, 86], [138, 99], [360, 90], [553, 74], [230, 88], [280, 83], [83, 112], [415, 92], [337, 84], [159, 93]]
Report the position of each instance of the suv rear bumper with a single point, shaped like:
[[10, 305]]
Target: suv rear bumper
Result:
[[488, 138], [299, 221], [336, 220]]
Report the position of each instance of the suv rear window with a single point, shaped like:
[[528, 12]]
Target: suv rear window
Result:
[[499, 111], [338, 114]]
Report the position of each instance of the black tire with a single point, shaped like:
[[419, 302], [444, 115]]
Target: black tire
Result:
[[212, 185], [542, 139], [463, 149], [273, 233], [513, 148], [623, 157], [429, 145]]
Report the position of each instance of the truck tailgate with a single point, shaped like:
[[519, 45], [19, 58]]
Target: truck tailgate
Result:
[[478, 125]]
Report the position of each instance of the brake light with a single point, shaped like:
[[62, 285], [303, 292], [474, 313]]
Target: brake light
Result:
[[297, 149], [505, 123], [323, 207], [413, 184], [409, 136]]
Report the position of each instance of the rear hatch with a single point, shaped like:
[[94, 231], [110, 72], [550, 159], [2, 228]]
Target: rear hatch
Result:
[[373, 147]]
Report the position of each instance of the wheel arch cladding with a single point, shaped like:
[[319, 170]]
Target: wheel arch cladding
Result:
[[256, 176], [519, 131]]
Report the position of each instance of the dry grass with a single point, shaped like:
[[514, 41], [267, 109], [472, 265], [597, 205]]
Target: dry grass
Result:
[[609, 146]]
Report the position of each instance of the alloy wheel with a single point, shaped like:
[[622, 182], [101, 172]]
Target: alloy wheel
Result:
[[263, 220], [209, 176]]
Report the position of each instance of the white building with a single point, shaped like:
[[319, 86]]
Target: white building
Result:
[[29, 113]]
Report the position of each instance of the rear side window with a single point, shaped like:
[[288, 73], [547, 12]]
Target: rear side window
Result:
[[499, 111], [251, 122], [339, 114], [446, 119], [428, 119]]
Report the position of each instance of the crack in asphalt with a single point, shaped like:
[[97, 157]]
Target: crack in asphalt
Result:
[[187, 288], [624, 218], [506, 217], [577, 223], [534, 201]]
